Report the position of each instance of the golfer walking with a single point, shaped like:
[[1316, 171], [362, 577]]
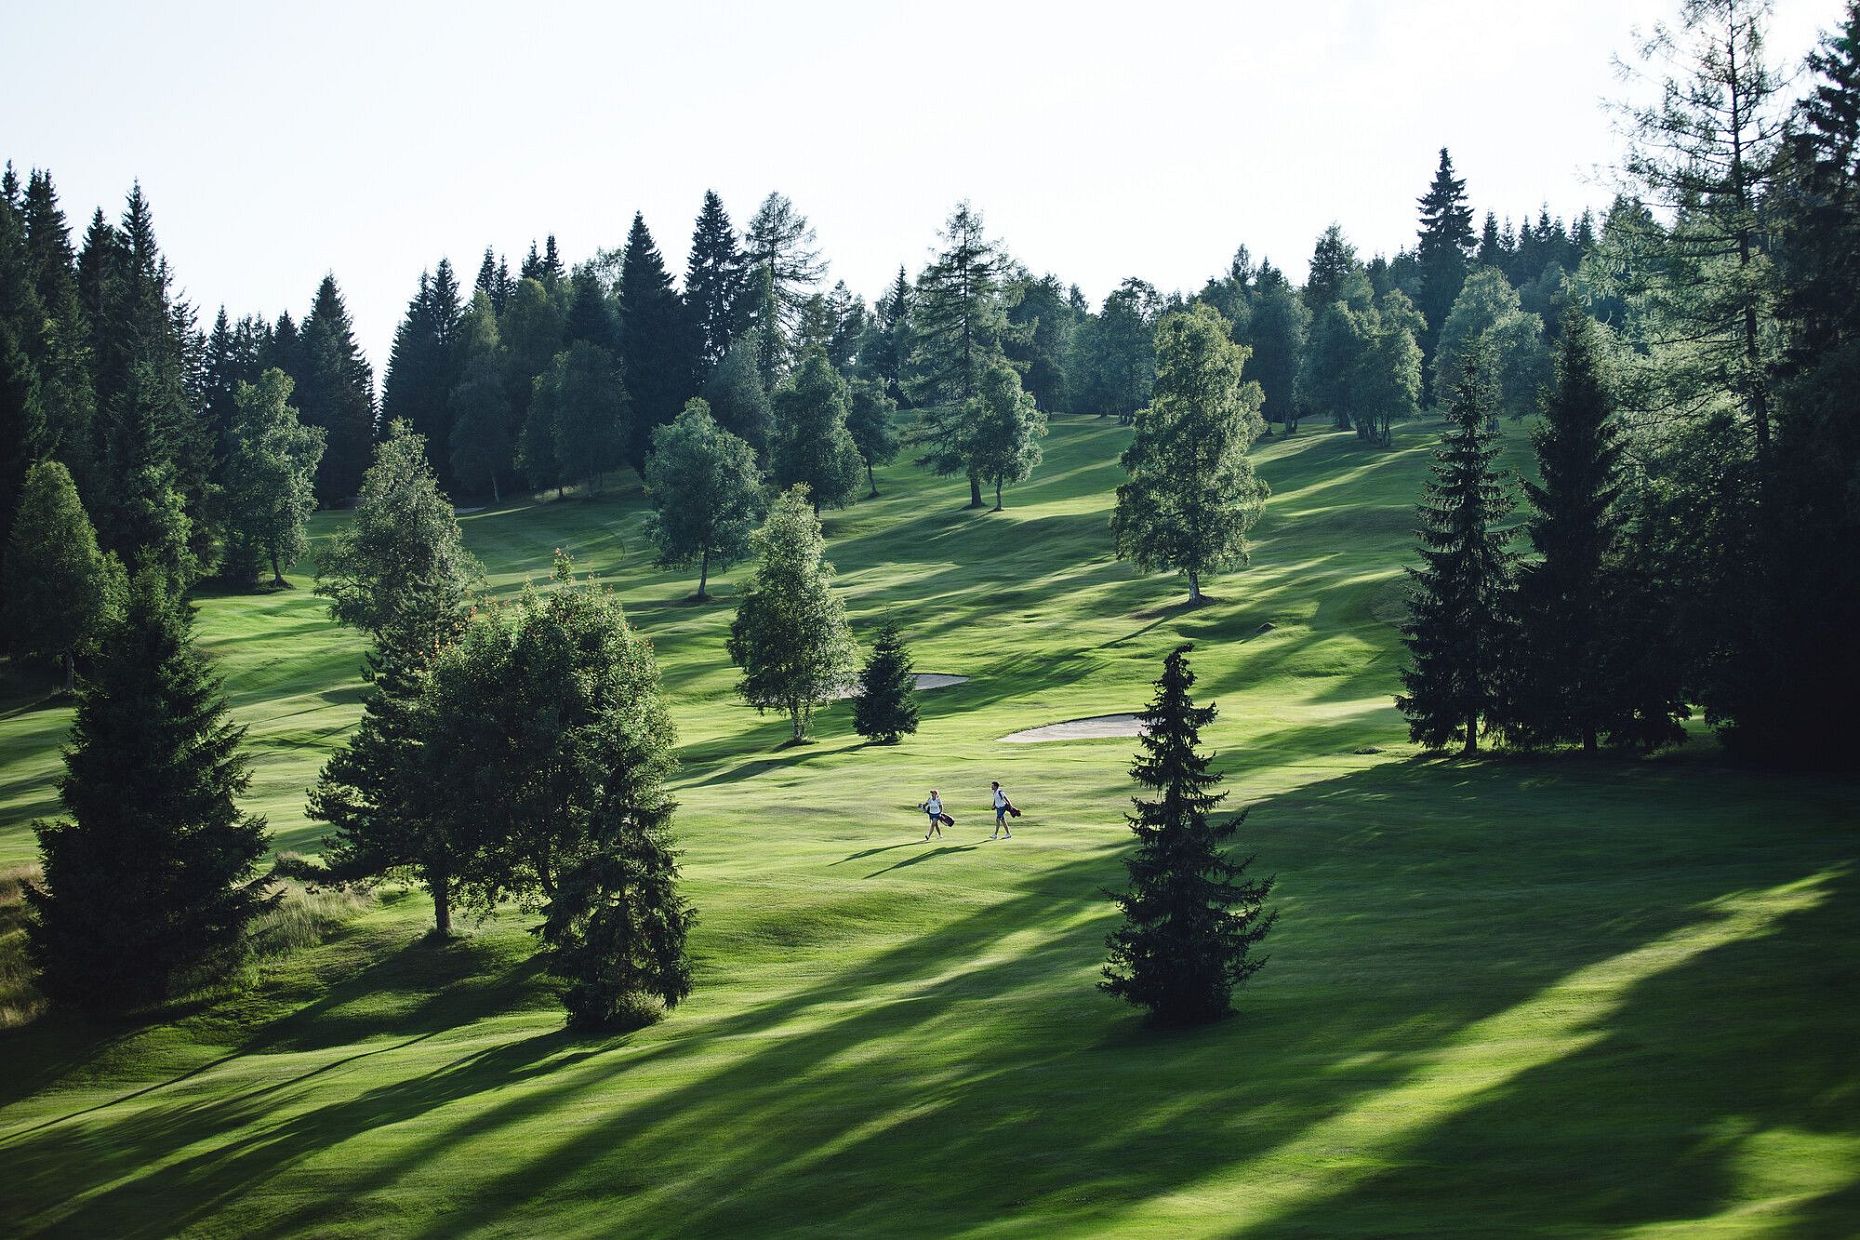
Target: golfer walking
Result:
[[934, 808], [1002, 806]]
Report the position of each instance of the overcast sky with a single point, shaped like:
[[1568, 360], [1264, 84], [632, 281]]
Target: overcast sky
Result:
[[277, 142]]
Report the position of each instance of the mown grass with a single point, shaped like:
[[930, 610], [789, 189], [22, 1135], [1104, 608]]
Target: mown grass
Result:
[[1543, 997]]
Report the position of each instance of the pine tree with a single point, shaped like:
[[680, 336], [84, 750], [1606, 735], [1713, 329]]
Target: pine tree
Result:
[[57, 584], [885, 707], [706, 493], [1191, 917], [590, 318], [790, 635], [658, 345], [1579, 638], [150, 884], [60, 350], [1335, 275], [886, 357], [1192, 494], [714, 282], [335, 391], [424, 365], [812, 446], [1446, 240], [1456, 629]]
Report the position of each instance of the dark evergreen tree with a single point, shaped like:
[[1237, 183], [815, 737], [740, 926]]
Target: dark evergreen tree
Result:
[[783, 266], [1446, 240], [714, 282], [658, 346], [1335, 275], [1590, 639], [1192, 918], [150, 884], [885, 707], [812, 444], [1040, 339], [56, 586], [1275, 330], [481, 446], [871, 422], [335, 391], [590, 316], [424, 366], [738, 400], [1456, 631], [886, 357], [60, 349]]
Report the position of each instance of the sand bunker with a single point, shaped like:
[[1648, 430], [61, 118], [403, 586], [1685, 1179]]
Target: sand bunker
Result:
[[1080, 730], [925, 682]]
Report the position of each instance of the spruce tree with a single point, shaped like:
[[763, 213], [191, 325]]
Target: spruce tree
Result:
[[658, 344], [706, 493], [885, 708], [150, 884], [714, 282], [1578, 638], [1456, 630], [1275, 332], [1191, 917], [60, 351], [812, 446], [590, 317], [1446, 239], [1192, 494], [335, 391], [57, 584], [790, 635], [423, 366]]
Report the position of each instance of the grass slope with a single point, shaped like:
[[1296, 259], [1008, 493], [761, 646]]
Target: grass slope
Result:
[[1543, 997]]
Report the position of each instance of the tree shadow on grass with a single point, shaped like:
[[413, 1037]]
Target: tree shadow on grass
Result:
[[922, 857], [1419, 903]]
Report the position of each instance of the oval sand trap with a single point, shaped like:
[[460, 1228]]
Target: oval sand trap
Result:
[[1090, 728], [925, 682]]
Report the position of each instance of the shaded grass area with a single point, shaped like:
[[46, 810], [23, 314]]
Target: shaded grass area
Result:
[[1544, 997]]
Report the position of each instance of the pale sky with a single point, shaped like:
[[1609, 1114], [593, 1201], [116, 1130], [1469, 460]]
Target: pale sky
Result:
[[1100, 140]]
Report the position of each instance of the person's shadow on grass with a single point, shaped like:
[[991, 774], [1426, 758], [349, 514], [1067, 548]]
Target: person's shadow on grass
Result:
[[925, 856]]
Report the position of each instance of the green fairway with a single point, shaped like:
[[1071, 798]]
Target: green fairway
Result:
[[1547, 997]]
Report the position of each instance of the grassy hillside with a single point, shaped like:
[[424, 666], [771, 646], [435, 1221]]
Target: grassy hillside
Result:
[[1526, 997]]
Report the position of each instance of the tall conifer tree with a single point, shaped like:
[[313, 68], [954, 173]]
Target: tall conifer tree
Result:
[[1191, 918], [1456, 631]]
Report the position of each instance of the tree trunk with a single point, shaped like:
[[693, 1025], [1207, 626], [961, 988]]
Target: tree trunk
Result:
[[794, 720], [277, 575], [997, 495], [1472, 734], [1589, 744], [871, 481], [1194, 586], [496, 498], [441, 886], [975, 491], [703, 574]]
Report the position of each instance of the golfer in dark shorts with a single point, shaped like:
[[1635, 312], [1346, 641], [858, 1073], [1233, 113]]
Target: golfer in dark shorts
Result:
[[1001, 812]]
